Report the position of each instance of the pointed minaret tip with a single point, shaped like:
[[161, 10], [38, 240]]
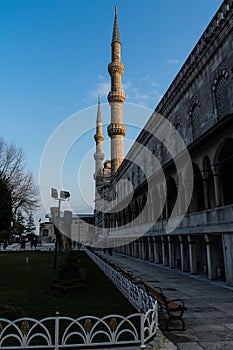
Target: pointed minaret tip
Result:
[[115, 34], [99, 116], [116, 9]]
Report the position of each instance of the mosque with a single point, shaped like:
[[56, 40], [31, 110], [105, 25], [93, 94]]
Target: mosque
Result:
[[154, 206]]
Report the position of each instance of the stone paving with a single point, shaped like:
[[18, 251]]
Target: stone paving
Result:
[[209, 318]]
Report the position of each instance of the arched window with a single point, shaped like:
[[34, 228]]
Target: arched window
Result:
[[221, 92], [45, 232], [195, 119], [209, 179]]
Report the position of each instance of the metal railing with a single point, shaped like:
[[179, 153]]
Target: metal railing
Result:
[[136, 295], [65, 332]]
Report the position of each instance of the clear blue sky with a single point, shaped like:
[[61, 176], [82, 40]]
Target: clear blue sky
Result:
[[54, 57]]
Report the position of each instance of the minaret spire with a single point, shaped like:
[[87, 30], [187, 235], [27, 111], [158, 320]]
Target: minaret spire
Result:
[[116, 9], [115, 33], [99, 114], [99, 137], [116, 98]]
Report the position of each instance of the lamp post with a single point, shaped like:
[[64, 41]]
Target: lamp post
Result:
[[64, 195]]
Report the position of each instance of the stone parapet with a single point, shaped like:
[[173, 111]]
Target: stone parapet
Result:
[[116, 96]]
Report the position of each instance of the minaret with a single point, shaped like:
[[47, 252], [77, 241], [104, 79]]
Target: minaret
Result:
[[99, 137], [116, 98]]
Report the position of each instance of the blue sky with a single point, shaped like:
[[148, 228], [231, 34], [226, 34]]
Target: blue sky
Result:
[[54, 57]]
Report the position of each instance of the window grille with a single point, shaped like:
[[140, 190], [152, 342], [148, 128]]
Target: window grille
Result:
[[222, 98]]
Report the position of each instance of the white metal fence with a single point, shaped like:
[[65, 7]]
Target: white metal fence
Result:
[[88, 332], [136, 295], [65, 332]]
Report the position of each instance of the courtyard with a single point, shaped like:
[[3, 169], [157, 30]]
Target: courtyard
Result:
[[28, 288]]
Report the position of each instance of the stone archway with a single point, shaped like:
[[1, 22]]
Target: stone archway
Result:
[[209, 183], [225, 159], [198, 200], [171, 195], [45, 232]]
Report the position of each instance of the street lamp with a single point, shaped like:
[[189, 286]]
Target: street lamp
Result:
[[64, 195]]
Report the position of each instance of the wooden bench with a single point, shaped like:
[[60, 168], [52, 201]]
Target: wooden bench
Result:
[[126, 274], [174, 307]]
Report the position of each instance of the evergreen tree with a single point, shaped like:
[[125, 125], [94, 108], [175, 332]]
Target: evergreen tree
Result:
[[31, 227], [20, 226]]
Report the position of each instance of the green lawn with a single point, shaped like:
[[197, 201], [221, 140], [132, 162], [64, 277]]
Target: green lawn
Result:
[[29, 287]]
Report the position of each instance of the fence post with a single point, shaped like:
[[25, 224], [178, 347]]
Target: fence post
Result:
[[142, 329], [140, 298], [157, 315], [56, 336]]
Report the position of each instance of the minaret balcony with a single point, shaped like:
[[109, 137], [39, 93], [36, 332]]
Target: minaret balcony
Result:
[[116, 96], [116, 67], [98, 137], [116, 129]]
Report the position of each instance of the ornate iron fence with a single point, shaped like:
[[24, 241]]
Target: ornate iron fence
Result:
[[65, 332], [136, 295]]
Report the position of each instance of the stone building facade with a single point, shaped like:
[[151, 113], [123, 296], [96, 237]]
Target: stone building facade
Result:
[[199, 105]]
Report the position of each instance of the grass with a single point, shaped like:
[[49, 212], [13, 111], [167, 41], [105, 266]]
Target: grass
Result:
[[29, 287]]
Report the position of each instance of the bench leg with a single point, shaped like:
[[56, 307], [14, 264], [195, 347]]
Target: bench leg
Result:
[[183, 324]]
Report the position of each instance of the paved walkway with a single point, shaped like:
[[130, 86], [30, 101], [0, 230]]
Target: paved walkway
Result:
[[209, 319]]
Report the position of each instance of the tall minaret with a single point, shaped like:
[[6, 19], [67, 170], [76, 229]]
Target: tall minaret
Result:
[[116, 98], [99, 137]]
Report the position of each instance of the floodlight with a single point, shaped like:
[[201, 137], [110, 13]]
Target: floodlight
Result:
[[64, 194], [54, 193]]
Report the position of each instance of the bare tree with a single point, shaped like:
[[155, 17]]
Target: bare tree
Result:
[[19, 181]]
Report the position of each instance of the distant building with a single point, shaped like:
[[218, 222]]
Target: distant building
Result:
[[46, 232], [76, 229], [80, 232], [199, 105]]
